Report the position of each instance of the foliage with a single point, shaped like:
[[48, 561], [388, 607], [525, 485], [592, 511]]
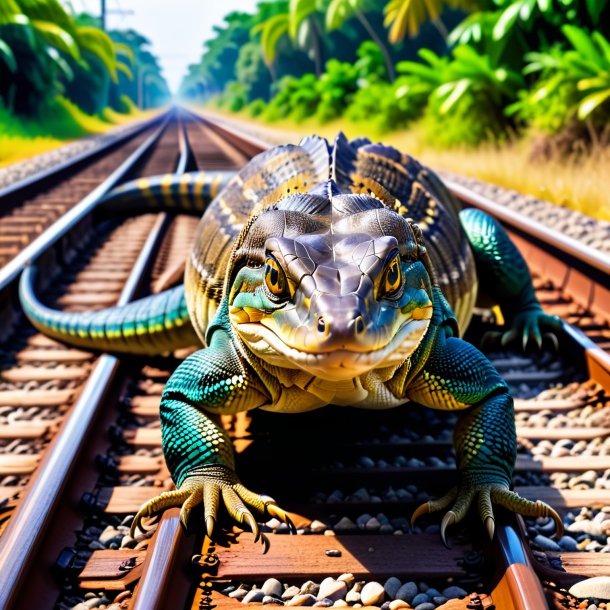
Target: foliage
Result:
[[573, 83], [407, 16], [45, 52]]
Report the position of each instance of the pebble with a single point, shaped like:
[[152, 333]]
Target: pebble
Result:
[[366, 462], [353, 596], [409, 590], [567, 543], [108, 534], [347, 578], [454, 592], [372, 524], [317, 526], [546, 543], [345, 524], [272, 587], [362, 520], [269, 599], [332, 589], [597, 587], [372, 594], [238, 593], [391, 586], [256, 595], [341, 602], [324, 603], [302, 600], [310, 587], [399, 603], [425, 606], [420, 598], [290, 592]]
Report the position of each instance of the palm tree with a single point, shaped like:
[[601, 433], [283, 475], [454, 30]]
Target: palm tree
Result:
[[303, 27], [407, 16], [340, 11], [272, 30]]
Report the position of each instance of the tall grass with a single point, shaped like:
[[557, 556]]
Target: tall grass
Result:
[[579, 183], [61, 122]]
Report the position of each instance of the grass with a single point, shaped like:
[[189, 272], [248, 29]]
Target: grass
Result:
[[63, 122], [577, 183]]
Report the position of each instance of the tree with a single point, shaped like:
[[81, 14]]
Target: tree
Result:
[[407, 16], [340, 11]]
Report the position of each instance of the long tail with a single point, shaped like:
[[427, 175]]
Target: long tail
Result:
[[153, 325], [189, 193]]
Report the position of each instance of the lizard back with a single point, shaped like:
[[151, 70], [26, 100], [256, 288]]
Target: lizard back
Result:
[[395, 179]]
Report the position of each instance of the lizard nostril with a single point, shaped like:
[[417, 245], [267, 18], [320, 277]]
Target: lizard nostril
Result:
[[321, 325], [359, 325]]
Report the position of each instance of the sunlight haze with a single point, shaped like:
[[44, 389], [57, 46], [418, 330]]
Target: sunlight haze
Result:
[[176, 28]]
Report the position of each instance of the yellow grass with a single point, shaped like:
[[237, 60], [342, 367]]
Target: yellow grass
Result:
[[17, 148], [578, 184]]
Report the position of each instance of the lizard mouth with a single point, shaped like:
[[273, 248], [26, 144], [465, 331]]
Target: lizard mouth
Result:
[[336, 365]]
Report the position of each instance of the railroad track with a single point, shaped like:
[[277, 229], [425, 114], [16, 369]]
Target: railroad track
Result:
[[351, 480]]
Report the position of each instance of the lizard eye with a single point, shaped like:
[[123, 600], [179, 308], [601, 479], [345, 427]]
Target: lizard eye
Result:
[[275, 278], [391, 281]]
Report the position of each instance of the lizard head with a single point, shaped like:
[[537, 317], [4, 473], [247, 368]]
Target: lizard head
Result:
[[333, 295]]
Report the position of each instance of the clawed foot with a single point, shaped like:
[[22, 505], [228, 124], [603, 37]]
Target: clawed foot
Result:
[[207, 488], [528, 326], [486, 495]]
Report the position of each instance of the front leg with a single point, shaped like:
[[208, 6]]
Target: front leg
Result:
[[504, 276], [458, 376], [197, 450]]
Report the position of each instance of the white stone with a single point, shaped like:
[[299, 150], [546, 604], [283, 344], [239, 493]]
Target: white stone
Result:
[[372, 594]]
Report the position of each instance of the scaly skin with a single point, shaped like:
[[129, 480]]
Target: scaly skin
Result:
[[310, 283]]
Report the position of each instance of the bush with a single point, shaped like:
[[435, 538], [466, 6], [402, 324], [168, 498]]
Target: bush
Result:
[[256, 107]]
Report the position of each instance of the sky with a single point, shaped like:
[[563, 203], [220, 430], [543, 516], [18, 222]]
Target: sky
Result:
[[176, 28]]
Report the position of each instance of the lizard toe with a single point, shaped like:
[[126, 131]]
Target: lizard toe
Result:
[[527, 508], [157, 504], [434, 505]]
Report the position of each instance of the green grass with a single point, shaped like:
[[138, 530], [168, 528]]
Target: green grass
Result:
[[62, 122]]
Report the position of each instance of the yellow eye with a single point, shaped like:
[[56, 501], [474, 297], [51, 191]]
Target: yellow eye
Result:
[[275, 278], [392, 278]]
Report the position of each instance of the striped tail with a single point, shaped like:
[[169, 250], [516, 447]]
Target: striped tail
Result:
[[153, 325], [189, 193]]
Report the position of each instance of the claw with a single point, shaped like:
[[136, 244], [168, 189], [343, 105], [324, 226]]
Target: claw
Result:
[[490, 526], [251, 521], [209, 525], [559, 527], [185, 513], [448, 520], [137, 525], [422, 509], [553, 339], [266, 543], [275, 511]]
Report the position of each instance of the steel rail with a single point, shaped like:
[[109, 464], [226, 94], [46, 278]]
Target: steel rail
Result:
[[169, 539], [57, 230], [519, 587], [568, 245], [26, 529]]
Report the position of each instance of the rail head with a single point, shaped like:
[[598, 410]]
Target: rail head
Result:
[[590, 257], [33, 517], [10, 272]]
